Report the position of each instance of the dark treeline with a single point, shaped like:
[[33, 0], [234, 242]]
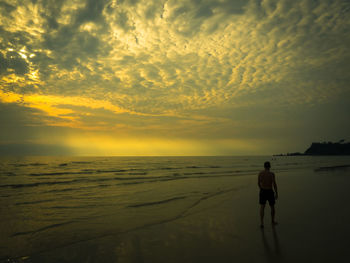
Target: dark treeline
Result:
[[324, 148]]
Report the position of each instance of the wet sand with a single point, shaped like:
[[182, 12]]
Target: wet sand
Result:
[[312, 212]]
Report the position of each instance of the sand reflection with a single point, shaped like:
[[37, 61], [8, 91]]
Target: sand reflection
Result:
[[271, 244]]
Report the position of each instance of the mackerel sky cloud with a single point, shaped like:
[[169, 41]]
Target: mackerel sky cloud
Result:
[[194, 77]]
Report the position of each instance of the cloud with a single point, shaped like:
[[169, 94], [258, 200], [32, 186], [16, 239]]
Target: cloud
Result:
[[26, 127], [6, 8], [167, 63], [31, 149], [13, 62]]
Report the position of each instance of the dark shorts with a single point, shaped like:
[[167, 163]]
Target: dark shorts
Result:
[[266, 195]]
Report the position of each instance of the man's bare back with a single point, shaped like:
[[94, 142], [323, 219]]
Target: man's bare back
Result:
[[266, 179]]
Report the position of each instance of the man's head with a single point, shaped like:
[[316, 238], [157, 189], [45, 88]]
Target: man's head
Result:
[[267, 165]]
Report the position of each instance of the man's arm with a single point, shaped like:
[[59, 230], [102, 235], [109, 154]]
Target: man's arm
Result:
[[275, 186], [259, 176]]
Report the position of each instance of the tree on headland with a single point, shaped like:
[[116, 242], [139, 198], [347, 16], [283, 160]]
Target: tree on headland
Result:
[[329, 148], [325, 148]]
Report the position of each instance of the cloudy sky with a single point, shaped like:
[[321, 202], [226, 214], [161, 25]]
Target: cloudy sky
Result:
[[171, 77]]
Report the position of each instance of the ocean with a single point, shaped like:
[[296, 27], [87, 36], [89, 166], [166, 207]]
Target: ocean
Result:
[[51, 203]]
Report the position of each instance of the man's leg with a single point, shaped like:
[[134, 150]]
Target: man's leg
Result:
[[262, 208]]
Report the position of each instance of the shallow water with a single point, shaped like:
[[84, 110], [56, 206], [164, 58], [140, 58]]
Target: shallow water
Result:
[[48, 203]]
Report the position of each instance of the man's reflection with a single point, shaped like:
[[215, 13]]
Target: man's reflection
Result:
[[272, 250]]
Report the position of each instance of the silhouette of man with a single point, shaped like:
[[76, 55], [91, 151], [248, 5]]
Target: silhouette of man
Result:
[[268, 192]]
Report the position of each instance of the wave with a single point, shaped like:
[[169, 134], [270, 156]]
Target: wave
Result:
[[171, 178], [131, 180], [40, 183], [90, 171], [59, 173], [27, 164], [81, 162], [66, 189], [34, 202], [42, 229], [210, 195], [224, 172], [38, 164], [67, 182], [169, 168], [113, 171], [332, 168], [118, 171], [150, 181], [131, 171], [8, 173], [71, 207], [75, 188], [140, 173], [201, 167], [158, 202], [75, 162]]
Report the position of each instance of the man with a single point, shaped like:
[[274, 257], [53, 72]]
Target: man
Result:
[[268, 192]]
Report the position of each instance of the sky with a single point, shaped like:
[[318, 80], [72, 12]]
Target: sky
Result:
[[171, 77]]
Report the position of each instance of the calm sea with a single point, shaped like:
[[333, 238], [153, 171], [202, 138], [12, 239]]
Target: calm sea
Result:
[[50, 202]]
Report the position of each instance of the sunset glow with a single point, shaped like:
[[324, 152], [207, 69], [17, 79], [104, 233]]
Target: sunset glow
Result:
[[166, 77]]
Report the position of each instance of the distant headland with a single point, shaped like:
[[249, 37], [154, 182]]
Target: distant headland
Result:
[[324, 148]]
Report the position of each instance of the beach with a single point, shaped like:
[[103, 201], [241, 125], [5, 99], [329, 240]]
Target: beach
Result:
[[179, 210]]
